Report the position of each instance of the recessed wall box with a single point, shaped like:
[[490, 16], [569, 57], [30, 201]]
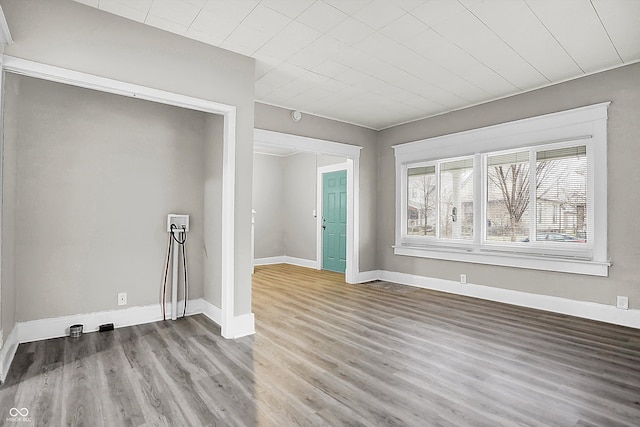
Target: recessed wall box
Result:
[[179, 221]]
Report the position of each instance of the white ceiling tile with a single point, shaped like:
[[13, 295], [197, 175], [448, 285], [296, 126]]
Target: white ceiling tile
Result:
[[575, 24], [312, 79], [263, 90], [234, 10], [409, 5], [621, 19], [518, 26], [176, 11], [404, 28], [377, 44], [330, 68], [321, 16], [351, 57], [470, 3], [290, 8], [481, 76], [318, 51], [249, 39], [282, 74], [134, 11], [197, 3], [204, 37], [348, 6], [379, 13], [311, 96], [433, 46], [436, 12], [291, 39], [350, 31], [163, 24], [213, 24], [495, 54], [335, 86], [265, 20], [351, 77], [464, 26]]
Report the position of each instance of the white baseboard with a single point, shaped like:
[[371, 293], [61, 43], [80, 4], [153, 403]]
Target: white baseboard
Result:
[[285, 259], [241, 326], [368, 276], [270, 260], [584, 309], [211, 311], [7, 352], [42, 329]]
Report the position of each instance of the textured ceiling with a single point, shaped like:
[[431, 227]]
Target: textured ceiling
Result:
[[378, 63]]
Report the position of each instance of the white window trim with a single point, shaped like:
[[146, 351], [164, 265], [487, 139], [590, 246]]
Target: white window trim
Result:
[[584, 125]]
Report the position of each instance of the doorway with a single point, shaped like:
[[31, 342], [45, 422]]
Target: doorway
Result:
[[264, 138]]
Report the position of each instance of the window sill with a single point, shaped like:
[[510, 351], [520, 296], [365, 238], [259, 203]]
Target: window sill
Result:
[[534, 262]]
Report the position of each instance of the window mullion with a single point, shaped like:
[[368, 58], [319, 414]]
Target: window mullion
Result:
[[479, 214], [533, 206], [438, 200]]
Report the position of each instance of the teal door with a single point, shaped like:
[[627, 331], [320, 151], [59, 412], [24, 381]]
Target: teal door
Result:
[[334, 221]]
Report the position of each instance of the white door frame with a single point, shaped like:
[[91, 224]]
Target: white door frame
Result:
[[352, 153], [348, 166], [231, 326]]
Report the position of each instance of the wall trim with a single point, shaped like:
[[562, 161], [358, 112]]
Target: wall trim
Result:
[[55, 327], [584, 309], [211, 311], [368, 276], [285, 259], [102, 84], [242, 326], [7, 352]]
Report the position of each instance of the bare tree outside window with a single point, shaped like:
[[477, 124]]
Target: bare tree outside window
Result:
[[422, 194]]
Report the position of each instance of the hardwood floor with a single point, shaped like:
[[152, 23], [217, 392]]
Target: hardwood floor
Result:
[[329, 353]]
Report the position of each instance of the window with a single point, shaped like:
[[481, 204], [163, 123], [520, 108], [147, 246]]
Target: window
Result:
[[526, 194]]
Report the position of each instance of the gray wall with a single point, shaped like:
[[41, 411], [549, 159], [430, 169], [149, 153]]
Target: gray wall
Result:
[[284, 197], [277, 119], [77, 37], [268, 198], [96, 176], [9, 163], [622, 87], [299, 201], [213, 209]]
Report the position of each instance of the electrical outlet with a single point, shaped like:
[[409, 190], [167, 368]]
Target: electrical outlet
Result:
[[122, 298], [463, 279], [622, 302]]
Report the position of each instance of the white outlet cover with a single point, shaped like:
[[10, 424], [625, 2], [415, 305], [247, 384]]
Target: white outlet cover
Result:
[[622, 302], [122, 298]]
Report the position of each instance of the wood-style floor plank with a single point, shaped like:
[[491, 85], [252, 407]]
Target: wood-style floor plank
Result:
[[330, 353]]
